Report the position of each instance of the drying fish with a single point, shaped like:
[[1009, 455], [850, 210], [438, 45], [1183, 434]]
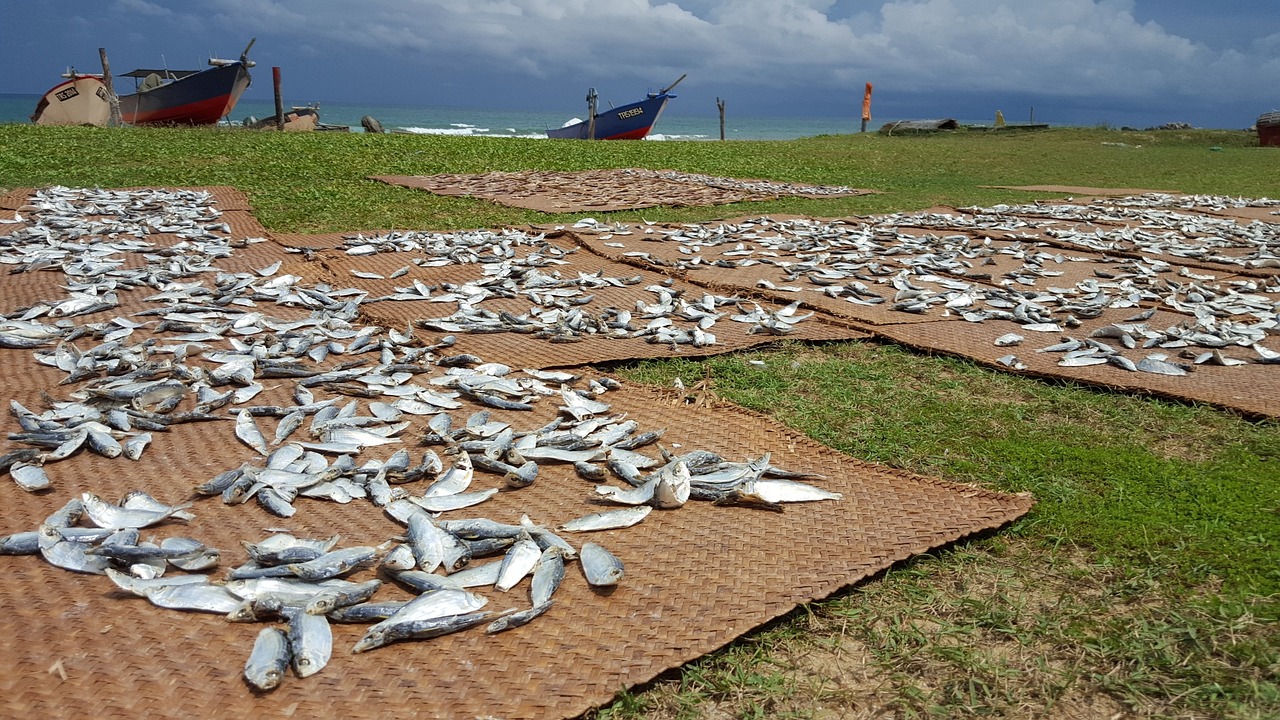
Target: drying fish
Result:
[[456, 501], [601, 567], [310, 642], [548, 573], [518, 562], [517, 619], [68, 554], [140, 586], [429, 615], [455, 480], [268, 660], [106, 515], [195, 597], [333, 563], [786, 491], [31, 478], [607, 520], [249, 434], [391, 630], [366, 612], [1160, 366]]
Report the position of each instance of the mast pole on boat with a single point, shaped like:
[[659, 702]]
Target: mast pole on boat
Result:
[[113, 102], [670, 87], [591, 113]]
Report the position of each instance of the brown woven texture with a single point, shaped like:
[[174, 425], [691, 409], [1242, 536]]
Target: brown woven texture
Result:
[[589, 190], [696, 578], [14, 199], [1251, 389]]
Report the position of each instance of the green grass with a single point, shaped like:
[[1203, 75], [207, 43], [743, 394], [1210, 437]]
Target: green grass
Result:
[[317, 182], [1146, 580]]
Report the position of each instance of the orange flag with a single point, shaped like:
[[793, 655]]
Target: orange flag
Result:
[[866, 104]]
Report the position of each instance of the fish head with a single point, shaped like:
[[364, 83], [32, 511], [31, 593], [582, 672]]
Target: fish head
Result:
[[376, 637]]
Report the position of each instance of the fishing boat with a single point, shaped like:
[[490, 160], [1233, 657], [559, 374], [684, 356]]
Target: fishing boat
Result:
[[629, 122], [1268, 127], [186, 97], [78, 100], [301, 118]]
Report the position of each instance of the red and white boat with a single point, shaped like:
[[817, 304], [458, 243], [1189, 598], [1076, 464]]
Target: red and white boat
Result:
[[78, 100]]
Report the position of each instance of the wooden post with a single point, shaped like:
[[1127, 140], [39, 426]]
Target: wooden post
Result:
[[275, 82], [1032, 120], [113, 120], [720, 104], [866, 107], [591, 113]]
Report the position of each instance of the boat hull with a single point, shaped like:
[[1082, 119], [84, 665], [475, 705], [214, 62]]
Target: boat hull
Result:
[[200, 99], [629, 122], [299, 119], [82, 100], [1269, 129]]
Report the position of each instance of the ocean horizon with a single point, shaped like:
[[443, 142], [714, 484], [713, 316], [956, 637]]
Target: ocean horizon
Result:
[[475, 122]]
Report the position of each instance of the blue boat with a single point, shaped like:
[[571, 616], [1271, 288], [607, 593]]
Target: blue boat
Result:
[[629, 122]]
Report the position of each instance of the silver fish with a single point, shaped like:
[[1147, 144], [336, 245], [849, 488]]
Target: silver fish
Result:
[[196, 597], [607, 520], [334, 563], [31, 478], [268, 660], [476, 575], [366, 612], [134, 446], [454, 480], [785, 491], [249, 434], [106, 515], [310, 642], [673, 486], [139, 586], [457, 501], [600, 566], [22, 543], [547, 575], [519, 561], [390, 630], [287, 425], [69, 555], [291, 590], [516, 619]]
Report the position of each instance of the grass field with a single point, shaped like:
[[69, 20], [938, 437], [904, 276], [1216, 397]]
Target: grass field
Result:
[[1146, 581]]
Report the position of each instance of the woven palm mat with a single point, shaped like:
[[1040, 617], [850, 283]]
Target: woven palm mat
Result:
[[610, 189], [1251, 389], [696, 578]]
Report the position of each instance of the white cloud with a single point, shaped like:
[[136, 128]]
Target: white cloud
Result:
[[1067, 47], [140, 7]]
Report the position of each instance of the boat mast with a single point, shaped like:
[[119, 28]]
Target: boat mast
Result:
[[668, 88]]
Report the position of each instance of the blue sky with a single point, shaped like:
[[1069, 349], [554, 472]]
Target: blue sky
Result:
[[1076, 62]]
